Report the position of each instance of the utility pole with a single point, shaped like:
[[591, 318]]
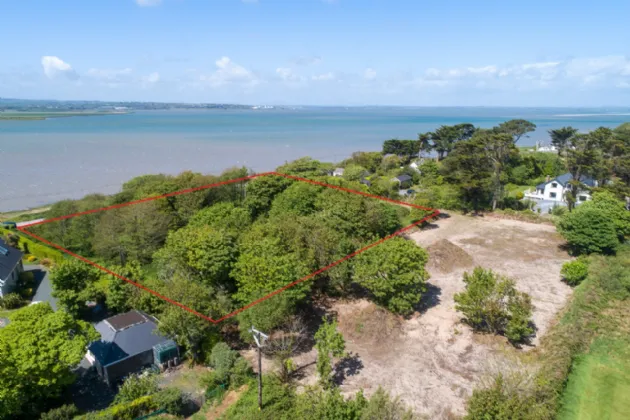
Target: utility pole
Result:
[[260, 339]]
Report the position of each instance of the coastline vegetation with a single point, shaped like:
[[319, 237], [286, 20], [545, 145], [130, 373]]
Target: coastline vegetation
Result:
[[38, 116], [218, 249]]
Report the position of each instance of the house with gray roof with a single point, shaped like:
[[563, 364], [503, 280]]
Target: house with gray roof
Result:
[[10, 267], [555, 190], [129, 343]]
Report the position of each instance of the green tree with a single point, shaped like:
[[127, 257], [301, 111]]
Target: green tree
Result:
[[583, 159], [354, 172], [516, 128], [317, 404], [260, 192], [133, 232], [614, 209], [187, 329], [589, 230], [394, 273], [329, 343], [444, 139], [38, 350], [198, 252], [222, 359], [405, 149], [500, 151], [224, 217], [492, 303], [120, 293], [470, 168], [73, 285], [297, 199], [560, 138]]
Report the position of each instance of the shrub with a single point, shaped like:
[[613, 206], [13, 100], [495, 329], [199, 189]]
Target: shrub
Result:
[[589, 230], [240, 372], [492, 303], [136, 386], [222, 359], [497, 402], [519, 195], [46, 262], [559, 210], [32, 258], [170, 399], [65, 412], [573, 272], [11, 301]]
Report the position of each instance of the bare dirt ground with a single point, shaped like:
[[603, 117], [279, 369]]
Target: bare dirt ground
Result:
[[432, 361]]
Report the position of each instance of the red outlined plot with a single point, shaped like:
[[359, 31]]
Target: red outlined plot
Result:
[[433, 214]]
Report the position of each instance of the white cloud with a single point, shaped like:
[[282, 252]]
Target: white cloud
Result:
[[369, 74], [152, 78], [228, 72], [148, 3], [55, 66], [288, 75], [324, 77]]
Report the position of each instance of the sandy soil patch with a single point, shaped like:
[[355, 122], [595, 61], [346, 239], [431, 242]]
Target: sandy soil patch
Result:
[[432, 361]]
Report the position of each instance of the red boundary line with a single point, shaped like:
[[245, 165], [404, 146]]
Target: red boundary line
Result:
[[231, 181]]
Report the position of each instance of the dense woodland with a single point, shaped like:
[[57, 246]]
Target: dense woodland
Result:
[[218, 249]]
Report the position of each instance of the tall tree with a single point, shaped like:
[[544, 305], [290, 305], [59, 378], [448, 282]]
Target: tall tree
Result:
[[560, 138], [583, 159], [470, 168], [516, 128], [500, 150], [443, 139], [73, 285], [38, 350]]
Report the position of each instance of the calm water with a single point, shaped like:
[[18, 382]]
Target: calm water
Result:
[[45, 161]]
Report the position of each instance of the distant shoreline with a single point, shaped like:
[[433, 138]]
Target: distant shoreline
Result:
[[39, 116]]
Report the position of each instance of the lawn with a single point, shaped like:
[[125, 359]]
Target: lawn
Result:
[[599, 384]]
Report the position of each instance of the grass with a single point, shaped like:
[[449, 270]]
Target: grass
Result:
[[24, 215], [599, 384]]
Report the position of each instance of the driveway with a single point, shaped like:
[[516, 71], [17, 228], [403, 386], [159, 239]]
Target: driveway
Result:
[[43, 285]]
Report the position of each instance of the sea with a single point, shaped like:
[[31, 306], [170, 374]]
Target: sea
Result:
[[49, 160]]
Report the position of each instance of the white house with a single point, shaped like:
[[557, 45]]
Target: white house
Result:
[[545, 148], [556, 189], [338, 172], [10, 268]]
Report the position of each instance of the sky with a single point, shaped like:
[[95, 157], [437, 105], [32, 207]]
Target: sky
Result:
[[318, 52]]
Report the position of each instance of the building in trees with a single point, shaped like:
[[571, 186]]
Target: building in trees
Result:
[[128, 344], [556, 190], [10, 267]]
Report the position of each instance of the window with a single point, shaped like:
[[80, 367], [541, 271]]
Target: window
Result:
[[582, 198], [552, 195], [554, 185]]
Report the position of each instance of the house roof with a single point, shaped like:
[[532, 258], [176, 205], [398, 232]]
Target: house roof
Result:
[[125, 335], [403, 178], [564, 179], [366, 182], [9, 259]]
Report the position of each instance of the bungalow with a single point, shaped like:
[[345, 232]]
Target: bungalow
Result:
[[403, 180], [338, 172], [556, 189], [129, 343], [10, 267]]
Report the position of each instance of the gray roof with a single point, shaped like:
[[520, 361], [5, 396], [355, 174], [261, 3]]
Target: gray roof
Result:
[[9, 261], [564, 179], [125, 335], [366, 182], [403, 178]]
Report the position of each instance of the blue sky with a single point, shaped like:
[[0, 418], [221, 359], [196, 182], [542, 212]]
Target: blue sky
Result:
[[320, 52]]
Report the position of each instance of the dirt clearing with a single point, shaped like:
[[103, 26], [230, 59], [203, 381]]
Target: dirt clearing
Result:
[[432, 361]]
